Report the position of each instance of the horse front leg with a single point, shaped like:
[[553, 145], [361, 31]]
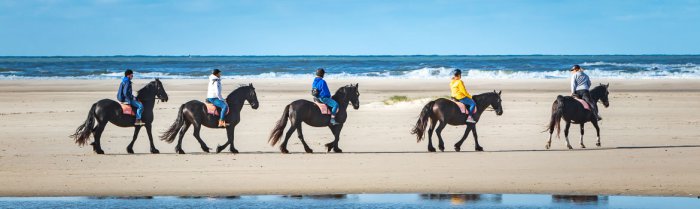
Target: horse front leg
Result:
[[477, 147], [458, 145], [336, 138], [438, 132], [150, 139], [582, 146], [566, 134], [130, 148], [597, 130], [230, 130]]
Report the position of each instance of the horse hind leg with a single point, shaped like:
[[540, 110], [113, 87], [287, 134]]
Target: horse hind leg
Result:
[[183, 130], [430, 135], [566, 134], [283, 146], [98, 134], [303, 142], [582, 146], [438, 132], [197, 128]]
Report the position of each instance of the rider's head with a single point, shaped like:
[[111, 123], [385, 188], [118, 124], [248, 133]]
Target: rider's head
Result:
[[216, 72], [129, 73], [320, 72], [457, 74], [575, 68]]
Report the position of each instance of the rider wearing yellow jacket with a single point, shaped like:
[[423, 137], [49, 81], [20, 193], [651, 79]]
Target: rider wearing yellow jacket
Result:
[[460, 93]]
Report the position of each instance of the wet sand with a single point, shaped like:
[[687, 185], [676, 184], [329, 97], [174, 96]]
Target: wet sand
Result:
[[650, 143]]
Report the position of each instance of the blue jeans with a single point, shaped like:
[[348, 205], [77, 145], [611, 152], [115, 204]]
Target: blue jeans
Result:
[[219, 103], [139, 107], [470, 103], [330, 102]]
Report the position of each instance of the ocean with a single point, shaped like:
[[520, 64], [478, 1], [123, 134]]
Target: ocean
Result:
[[423, 67]]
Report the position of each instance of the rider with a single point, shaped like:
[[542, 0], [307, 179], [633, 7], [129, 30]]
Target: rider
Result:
[[580, 83], [214, 95], [126, 96], [460, 93], [321, 92]]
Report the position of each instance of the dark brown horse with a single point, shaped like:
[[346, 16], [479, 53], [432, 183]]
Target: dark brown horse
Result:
[[447, 112], [109, 111], [572, 111], [307, 112], [195, 113]]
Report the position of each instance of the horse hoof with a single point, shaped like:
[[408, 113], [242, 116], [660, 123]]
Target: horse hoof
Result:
[[479, 149], [337, 150], [431, 149], [309, 150], [284, 151], [180, 151], [329, 146], [583, 146], [442, 149], [546, 146], [129, 150], [597, 144], [155, 151], [234, 151], [206, 149], [569, 146], [457, 149], [100, 152]]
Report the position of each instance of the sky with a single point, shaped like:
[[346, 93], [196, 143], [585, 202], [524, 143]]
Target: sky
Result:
[[338, 27]]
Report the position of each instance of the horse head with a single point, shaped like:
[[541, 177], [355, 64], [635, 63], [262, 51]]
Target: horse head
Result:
[[495, 102], [160, 91], [602, 93], [352, 93], [252, 97]]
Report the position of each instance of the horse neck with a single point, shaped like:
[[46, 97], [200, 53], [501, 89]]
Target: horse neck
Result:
[[481, 103], [340, 99], [595, 94], [236, 99], [146, 96]]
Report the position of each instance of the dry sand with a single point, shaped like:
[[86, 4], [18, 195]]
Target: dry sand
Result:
[[650, 139]]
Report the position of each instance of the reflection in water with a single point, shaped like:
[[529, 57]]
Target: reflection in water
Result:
[[214, 197], [460, 199], [318, 197], [580, 199], [122, 197]]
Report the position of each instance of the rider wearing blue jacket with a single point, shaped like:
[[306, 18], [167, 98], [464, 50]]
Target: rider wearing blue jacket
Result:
[[125, 95], [324, 94]]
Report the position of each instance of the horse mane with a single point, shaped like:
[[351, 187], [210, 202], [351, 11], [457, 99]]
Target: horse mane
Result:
[[143, 90], [340, 92], [600, 87], [484, 94], [240, 88]]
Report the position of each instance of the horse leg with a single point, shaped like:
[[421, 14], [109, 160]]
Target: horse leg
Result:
[[566, 134], [150, 139], [430, 135], [303, 142], [197, 128], [183, 130], [230, 130], [130, 148], [283, 146], [458, 145], [438, 131], [98, 134], [597, 130], [336, 138], [582, 146], [477, 147]]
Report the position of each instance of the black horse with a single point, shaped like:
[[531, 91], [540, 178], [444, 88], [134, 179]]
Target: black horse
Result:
[[107, 110], [447, 112], [305, 111], [572, 111], [195, 113]]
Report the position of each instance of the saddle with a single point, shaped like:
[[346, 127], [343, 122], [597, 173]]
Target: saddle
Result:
[[322, 107], [127, 110], [214, 110], [462, 106], [584, 103]]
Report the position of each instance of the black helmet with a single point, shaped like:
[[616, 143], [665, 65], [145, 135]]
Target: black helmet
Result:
[[128, 72], [215, 71], [456, 72], [575, 67], [320, 72]]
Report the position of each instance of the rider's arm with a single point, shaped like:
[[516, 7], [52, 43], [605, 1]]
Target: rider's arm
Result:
[[218, 90], [573, 83], [464, 90]]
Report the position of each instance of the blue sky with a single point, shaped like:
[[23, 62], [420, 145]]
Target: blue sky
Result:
[[259, 27]]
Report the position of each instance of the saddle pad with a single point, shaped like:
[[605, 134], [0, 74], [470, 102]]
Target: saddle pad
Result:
[[324, 108], [126, 109], [463, 107], [212, 109], [584, 103]]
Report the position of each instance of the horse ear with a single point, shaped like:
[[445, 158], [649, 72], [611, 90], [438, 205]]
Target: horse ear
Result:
[[607, 85], [499, 93], [250, 84], [357, 85]]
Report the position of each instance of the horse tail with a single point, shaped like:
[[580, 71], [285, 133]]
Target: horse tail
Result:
[[169, 135], [557, 113], [419, 128], [82, 133], [279, 127]]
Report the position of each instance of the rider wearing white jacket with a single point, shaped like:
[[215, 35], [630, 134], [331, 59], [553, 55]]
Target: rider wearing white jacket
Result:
[[214, 95]]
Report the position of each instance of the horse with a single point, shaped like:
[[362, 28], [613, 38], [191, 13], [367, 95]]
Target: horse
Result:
[[447, 112], [195, 113], [306, 111], [107, 110], [572, 111]]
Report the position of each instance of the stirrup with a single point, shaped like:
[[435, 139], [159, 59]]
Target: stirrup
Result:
[[470, 119]]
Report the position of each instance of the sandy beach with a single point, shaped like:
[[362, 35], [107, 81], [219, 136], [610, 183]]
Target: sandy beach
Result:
[[650, 143]]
